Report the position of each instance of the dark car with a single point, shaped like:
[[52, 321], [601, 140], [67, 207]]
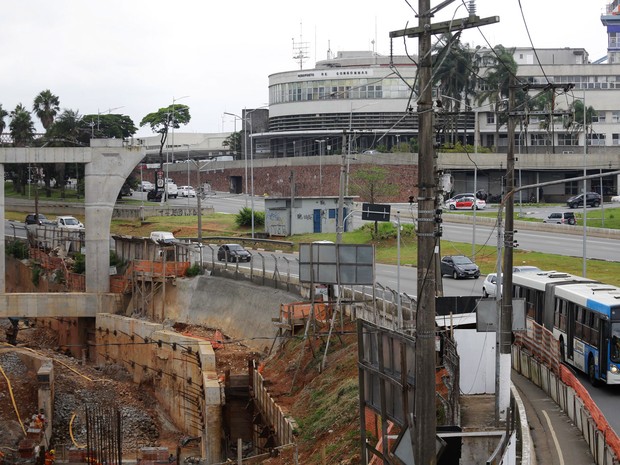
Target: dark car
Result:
[[154, 195], [592, 200], [233, 253], [39, 219], [561, 218], [459, 266]]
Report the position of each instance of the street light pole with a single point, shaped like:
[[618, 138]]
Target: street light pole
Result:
[[245, 150]]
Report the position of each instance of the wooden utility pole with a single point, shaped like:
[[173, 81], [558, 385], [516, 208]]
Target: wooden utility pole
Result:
[[424, 424]]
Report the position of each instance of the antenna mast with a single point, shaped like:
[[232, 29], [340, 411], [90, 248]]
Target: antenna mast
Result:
[[300, 49]]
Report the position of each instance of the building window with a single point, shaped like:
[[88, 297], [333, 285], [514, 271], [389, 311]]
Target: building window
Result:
[[615, 139], [539, 139], [490, 118], [568, 138], [615, 116], [596, 139], [598, 117], [572, 187]]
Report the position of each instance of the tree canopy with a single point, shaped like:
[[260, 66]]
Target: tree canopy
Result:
[[163, 119], [46, 106], [21, 126]]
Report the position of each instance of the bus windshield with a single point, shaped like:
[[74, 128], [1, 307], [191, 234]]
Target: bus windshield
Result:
[[615, 343]]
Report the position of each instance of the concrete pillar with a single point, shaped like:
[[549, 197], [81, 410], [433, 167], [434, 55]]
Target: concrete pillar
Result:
[[110, 165], [2, 245]]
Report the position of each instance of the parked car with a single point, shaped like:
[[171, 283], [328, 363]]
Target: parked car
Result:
[[459, 266], [173, 190], [233, 253], [40, 219], [187, 191], [147, 186], [593, 199], [489, 286], [561, 218], [370, 152], [615, 198], [466, 203], [162, 237]]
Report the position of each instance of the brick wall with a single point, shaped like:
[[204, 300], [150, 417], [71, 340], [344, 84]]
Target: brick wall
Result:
[[310, 180]]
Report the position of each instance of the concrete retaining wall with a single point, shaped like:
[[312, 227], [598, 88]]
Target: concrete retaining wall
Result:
[[239, 308], [568, 400], [180, 369]]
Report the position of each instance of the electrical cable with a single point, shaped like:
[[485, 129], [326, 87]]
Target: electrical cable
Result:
[[8, 382]]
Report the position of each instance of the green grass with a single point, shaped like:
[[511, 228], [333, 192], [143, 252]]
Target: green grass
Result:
[[70, 195], [607, 218]]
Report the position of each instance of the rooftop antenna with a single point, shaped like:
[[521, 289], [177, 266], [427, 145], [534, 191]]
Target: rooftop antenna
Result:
[[330, 55], [300, 49]]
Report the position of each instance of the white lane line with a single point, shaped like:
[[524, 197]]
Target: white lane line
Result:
[[555, 438]]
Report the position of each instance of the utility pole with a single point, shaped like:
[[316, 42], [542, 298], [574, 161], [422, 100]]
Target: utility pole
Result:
[[340, 219], [423, 424], [504, 330]]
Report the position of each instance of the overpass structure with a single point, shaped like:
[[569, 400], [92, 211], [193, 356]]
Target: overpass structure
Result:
[[108, 163]]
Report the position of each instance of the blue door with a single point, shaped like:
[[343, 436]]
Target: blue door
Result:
[[317, 220]]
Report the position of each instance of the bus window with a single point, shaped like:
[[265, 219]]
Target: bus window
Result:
[[615, 343]]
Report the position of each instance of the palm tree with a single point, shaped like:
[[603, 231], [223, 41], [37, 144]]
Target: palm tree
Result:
[[46, 106], [69, 130], [454, 71], [498, 78], [21, 126], [575, 121]]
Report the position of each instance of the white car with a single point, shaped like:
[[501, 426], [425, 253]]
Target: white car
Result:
[[489, 286], [146, 186], [69, 222], [465, 203], [615, 198], [187, 191]]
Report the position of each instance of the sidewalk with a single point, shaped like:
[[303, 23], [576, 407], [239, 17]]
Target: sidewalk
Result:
[[556, 440]]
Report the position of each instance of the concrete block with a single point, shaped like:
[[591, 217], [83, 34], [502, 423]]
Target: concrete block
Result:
[[544, 378], [553, 387], [579, 412], [535, 372], [570, 403]]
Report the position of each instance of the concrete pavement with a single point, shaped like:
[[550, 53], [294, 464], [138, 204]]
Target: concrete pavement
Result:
[[557, 441]]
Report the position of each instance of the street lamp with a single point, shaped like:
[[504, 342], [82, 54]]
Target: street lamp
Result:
[[245, 152], [188, 182]]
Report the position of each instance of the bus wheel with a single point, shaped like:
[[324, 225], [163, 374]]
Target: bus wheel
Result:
[[592, 371]]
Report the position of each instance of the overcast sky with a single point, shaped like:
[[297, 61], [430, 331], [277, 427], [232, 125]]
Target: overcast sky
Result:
[[134, 56]]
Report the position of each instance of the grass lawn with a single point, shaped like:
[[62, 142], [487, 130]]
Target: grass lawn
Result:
[[596, 218]]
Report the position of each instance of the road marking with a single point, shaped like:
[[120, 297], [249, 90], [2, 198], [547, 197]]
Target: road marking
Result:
[[555, 439]]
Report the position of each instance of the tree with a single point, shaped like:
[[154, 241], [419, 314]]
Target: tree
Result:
[[21, 126], [233, 142], [46, 107], [575, 122], [497, 85], [372, 183], [69, 130], [113, 126], [164, 119]]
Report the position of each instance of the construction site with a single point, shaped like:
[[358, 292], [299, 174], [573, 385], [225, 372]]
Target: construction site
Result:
[[167, 374]]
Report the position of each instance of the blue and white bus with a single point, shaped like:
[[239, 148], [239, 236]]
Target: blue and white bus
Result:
[[584, 315]]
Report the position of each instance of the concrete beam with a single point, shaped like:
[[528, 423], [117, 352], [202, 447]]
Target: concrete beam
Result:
[[57, 304]]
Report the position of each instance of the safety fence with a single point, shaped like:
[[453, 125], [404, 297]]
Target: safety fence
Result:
[[530, 355]]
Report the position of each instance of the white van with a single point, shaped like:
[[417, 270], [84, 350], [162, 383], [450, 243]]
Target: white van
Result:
[[162, 237], [172, 189]]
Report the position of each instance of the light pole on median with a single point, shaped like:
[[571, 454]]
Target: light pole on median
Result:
[[245, 150], [173, 122]]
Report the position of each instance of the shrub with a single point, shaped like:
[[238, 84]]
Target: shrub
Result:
[[193, 270], [244, 218], [79, 266], [37, 271], [17, 249]]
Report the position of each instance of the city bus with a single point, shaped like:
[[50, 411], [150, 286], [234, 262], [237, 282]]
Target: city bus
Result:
[[582, 314]]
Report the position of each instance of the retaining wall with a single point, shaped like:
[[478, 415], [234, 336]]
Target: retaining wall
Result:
[[180, 369], [575, 401]]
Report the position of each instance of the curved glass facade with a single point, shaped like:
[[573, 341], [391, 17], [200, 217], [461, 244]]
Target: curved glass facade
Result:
[[354, 88]]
